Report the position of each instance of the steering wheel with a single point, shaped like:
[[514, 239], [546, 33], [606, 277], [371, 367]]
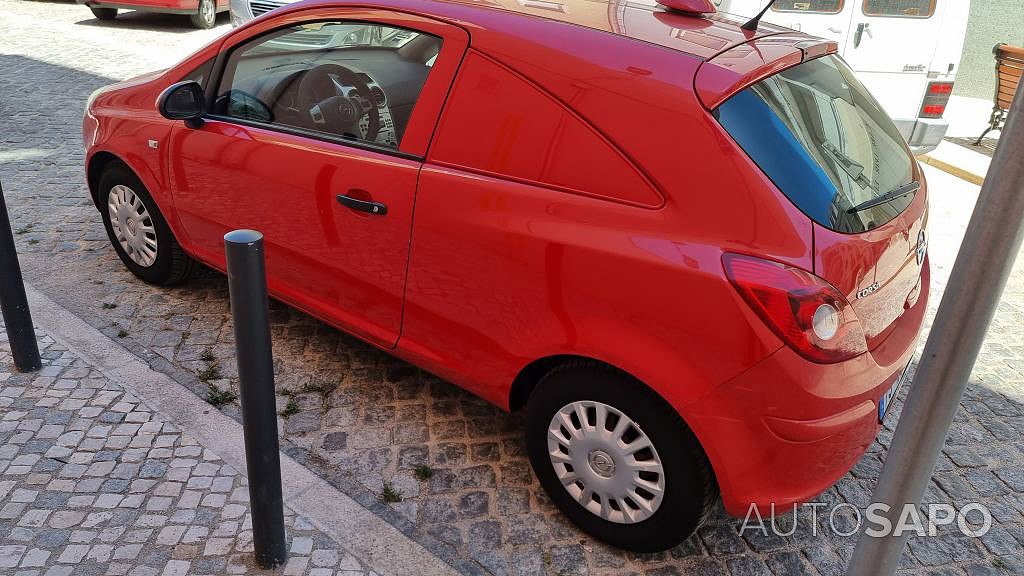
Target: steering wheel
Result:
[[319, 95]]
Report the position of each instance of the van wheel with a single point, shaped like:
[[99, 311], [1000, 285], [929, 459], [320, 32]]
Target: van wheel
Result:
[[617, 459], [137, 229], [206, 16], [104, 13]]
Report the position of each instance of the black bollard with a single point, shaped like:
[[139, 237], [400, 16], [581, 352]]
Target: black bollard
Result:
[[13, 302], [247, 284]]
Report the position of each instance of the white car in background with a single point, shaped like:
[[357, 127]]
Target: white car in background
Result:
[[906, 52], [244, 10]]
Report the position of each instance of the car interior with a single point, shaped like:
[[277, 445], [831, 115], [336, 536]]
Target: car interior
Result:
[[350, 80]]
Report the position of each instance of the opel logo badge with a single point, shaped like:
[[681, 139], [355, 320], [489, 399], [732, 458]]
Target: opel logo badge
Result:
[[922, 247], [602, 463]]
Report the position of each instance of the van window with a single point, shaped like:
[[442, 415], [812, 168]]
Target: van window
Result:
[[900, 8], [811, 6], [498, 123], [826, 144]]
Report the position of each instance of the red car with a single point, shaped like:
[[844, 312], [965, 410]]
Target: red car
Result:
[[203, 13], [694, 253]]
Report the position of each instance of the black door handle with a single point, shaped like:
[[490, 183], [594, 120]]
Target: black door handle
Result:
[[859, 34], [378, 208]]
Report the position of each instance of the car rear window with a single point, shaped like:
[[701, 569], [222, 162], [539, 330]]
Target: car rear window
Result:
[[825, 142], [813, 6]]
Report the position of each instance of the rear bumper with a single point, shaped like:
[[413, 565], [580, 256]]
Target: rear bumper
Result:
[[165, 7], [787, 429], [923, 134]]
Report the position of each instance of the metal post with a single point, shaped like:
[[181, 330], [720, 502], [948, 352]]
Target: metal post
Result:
[[13, 302], [986, 257], [247, 284]]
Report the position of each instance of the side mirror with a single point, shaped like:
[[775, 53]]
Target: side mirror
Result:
[[183, 101]]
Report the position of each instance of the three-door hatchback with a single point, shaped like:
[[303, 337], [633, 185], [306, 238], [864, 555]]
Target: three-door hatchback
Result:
[[695, 254]]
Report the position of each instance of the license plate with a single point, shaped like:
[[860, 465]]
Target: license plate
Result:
[[888, 397]]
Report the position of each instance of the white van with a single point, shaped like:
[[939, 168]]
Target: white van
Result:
[[906, 52]]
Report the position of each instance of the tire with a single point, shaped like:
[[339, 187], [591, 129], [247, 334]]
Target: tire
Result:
[[689, 487], [168, 264], [104, 13], [206, 15]]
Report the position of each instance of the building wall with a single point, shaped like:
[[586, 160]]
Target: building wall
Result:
[[991, 22]]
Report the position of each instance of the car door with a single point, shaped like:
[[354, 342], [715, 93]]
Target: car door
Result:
[[319, 122]]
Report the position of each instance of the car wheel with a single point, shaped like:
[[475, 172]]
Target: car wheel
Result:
[[617, 459], [206, 16], [104, 13], [137, 229]]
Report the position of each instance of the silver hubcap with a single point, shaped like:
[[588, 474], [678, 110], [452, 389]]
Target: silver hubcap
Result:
[[132, 224], [606, 462], [206, 9]]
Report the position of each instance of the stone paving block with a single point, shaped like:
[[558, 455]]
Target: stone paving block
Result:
[[10, 556]]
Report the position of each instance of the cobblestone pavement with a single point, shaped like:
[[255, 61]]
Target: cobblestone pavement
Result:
[[361, 418], [93, 482]]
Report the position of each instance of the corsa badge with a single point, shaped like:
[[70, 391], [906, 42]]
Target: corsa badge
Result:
[[869, 290]]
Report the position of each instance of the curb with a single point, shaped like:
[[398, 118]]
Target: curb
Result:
[[953, 170]]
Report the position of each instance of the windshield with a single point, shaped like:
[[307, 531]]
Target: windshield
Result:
[[825, 142]]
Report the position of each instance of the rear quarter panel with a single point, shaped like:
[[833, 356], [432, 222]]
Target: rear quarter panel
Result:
[[503, 273]]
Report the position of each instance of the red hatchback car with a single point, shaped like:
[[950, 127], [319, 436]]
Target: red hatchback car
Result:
[[694, 253], [203, 13]]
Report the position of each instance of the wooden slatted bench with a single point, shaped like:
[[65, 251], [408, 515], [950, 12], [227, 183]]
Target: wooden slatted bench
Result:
[[1009, 67]]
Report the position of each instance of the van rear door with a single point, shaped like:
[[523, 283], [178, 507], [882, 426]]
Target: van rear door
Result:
[[891, 46], [893, 35]]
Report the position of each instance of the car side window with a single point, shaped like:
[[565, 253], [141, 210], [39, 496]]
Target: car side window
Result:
[[340, 79]]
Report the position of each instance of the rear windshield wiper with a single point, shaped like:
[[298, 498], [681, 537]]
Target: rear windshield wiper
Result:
[[887, 197], [849, 165]]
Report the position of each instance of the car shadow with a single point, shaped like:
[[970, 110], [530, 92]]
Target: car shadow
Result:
[[152, 21]]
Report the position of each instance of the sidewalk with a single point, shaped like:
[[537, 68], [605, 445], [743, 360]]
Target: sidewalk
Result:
[[959, 161], [93, 481]]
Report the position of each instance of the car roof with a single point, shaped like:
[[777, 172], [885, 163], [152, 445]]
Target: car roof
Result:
[[701, 36]]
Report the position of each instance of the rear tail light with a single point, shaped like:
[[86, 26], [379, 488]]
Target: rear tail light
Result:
[[806, 312], [935, 99]]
